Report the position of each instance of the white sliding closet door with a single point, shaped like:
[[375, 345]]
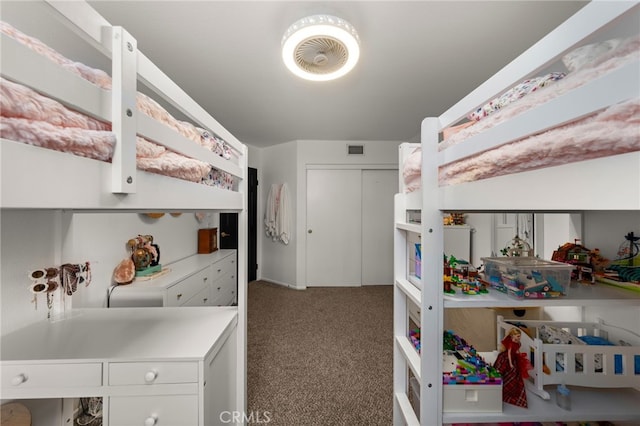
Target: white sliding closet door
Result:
[[378, 190], [334, 231]]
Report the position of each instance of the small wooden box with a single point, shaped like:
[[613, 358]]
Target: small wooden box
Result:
[[207, 240]]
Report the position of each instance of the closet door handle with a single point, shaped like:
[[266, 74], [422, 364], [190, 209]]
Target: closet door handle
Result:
[[150, 376], [151, 420]]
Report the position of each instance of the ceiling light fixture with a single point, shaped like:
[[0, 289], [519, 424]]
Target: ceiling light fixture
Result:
[[320, 47]]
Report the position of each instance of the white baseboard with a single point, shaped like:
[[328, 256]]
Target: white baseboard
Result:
[[291, 286]]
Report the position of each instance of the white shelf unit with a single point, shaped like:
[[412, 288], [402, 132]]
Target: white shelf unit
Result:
[[530, 191], [587, 403]]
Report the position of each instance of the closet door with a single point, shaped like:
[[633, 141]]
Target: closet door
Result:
[[334, 229], [378, 190]]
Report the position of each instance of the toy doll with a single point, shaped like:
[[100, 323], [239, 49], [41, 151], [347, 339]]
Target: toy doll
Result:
[[513, 366]]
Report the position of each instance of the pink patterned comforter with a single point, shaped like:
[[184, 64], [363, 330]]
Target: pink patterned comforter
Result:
[[31, 118], [615, 130]]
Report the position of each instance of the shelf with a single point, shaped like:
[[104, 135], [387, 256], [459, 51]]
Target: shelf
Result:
[[410, 354], [577, 295], [586, 404]]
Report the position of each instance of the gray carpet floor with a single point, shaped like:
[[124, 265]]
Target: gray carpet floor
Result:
[[321, 356]]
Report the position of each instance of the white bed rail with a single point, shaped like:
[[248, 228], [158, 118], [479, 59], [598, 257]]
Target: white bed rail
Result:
[[596, 15], [578, 103], [119, 106]]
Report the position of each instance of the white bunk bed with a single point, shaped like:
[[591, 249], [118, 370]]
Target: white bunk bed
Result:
[[536, 187], [36, 177], [113, 182]]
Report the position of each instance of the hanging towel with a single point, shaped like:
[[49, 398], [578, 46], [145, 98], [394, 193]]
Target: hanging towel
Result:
[[283, 214], [277, 216], [270, 211]]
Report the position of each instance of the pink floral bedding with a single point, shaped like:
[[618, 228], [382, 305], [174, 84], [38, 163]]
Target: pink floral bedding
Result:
[[31, 118], [615, 130]]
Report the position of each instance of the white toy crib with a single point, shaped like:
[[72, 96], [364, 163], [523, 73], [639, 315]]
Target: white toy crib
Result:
[[574, 361]]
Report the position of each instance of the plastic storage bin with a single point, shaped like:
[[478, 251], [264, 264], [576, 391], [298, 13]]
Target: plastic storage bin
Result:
[[527, 277]]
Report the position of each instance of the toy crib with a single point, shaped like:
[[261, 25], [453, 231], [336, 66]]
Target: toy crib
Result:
[[577, 353]]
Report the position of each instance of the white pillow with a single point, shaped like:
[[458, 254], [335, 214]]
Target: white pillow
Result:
[[578, 58]]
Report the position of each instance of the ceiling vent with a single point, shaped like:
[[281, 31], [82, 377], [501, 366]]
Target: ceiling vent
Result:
[[355, 149], [320, 47]]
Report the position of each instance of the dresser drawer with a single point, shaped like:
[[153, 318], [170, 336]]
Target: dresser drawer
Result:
[[170, 410], [203, 298], [148, 373], [223, 267], [225, 285], [184, 290], [225, 299], [28, 376]]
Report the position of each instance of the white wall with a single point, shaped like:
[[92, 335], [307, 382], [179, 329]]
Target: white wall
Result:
[[279, 166], [606, 231], [557, 230], [28, 243], [39, 239]]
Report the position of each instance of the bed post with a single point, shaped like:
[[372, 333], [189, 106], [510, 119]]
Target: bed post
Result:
[[241, 386], [432, 267], [123, 111]]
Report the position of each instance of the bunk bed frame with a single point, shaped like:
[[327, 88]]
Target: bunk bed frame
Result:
[[540, 190], [117, 185], [81, 184]]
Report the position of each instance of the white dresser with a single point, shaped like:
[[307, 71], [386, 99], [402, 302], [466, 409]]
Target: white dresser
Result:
[[151, 366], [198, 280]]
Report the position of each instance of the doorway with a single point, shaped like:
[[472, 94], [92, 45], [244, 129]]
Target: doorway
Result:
[[349, 235], [229, 226]]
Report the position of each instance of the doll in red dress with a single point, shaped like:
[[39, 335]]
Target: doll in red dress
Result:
[[513, 367]]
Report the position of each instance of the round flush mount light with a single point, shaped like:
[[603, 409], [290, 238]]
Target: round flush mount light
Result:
[[320, 47]]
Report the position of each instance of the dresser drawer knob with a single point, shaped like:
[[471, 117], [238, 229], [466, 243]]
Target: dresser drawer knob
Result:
[[178, 296], [205, 278], [19, 379], [150, 376], [151, 420]]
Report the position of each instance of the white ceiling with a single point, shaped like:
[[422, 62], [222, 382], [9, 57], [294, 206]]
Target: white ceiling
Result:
[[418, 58]]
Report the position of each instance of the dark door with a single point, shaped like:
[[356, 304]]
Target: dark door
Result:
[[228, 230], [252, 226], [229, 226]]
